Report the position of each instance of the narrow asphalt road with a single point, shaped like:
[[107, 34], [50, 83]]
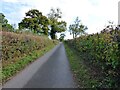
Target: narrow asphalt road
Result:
[[50, 71]]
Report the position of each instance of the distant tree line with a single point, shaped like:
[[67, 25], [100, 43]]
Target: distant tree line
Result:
[[35, 22]]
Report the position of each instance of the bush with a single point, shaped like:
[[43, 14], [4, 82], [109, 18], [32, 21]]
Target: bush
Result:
[[103, 50], [18, 50]]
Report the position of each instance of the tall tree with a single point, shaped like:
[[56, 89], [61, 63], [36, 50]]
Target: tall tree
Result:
[[56, 25], [62, 36], [4, 23], [77, 28], [3, 20], [35, 21], [54, 15]]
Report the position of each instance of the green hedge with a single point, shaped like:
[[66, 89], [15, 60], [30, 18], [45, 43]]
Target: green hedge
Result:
[[103, 50]]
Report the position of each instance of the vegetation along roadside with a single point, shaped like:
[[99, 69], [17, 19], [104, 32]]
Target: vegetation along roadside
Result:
[[19, 50], [95, 58]]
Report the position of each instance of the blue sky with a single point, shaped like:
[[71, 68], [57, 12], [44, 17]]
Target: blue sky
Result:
[[95, 14]]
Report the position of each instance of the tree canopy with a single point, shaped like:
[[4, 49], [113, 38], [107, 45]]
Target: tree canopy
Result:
[[35, 21], [38, 23], [76, 28], [56, 25], [4, 23], [62, 36]]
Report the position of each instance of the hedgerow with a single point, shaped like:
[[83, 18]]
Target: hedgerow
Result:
[[102, 50], [18, 50]]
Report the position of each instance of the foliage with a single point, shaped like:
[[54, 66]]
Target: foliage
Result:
[[17, 45], [77, 28], [2, 19], [62, 36], [4, 23], [102, 50], [56, 26], [15, 67], [54, 15], [81, 72], [35, 21], [21, 49]]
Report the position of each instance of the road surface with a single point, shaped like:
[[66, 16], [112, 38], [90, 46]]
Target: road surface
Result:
[[50, 71]]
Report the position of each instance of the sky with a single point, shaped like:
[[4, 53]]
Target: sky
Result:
[[95, 14]]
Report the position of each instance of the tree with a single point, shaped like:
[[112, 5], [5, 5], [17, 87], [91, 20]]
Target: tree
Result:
[[54, 15], [72, 30], [33, 13], [3, 20], [35, 21], [77, 28], [4, 23], [56, 26], [62, 36]]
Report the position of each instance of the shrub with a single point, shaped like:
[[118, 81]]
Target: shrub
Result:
[[102, 49]]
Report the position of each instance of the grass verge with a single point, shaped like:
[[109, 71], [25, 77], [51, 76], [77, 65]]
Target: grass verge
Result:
[[21, 63], [81, 72]]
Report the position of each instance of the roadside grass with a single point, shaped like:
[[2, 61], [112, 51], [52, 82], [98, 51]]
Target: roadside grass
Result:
[[21, 63], [19, 50], [81, 72]]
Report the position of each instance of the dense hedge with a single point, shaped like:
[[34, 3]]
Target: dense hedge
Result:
[[18, 45], [103, 50], [18, 50]]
